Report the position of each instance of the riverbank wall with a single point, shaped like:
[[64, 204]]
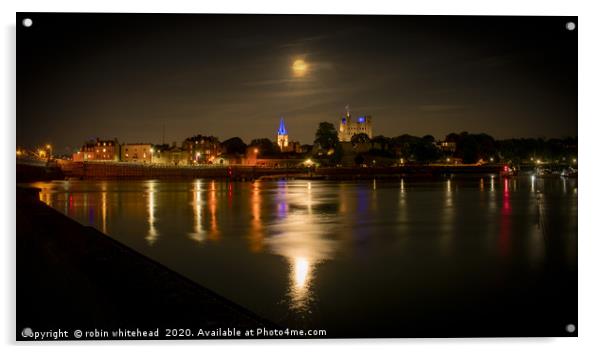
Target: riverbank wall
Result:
[[28, 172], [101, 170], [71, 277]]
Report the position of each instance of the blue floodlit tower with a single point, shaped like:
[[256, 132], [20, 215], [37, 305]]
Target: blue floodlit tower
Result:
[[349, 127], [282, 138]]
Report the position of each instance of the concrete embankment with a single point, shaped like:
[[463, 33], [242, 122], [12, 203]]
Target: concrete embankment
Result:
[[419, 171], [74, 277], [94, 170], [100, 170], [27, 172]]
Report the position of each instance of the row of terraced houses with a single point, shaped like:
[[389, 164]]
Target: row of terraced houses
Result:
[[195, 150]]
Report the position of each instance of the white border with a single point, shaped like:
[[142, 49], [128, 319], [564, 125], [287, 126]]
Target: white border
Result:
[[590, 244]]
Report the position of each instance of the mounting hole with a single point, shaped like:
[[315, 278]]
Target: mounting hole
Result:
[[570, 328], [27, 22], [571, 26]]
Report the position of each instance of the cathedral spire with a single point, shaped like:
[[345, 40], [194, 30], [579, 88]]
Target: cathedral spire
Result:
[[282, 136], [282, 128]]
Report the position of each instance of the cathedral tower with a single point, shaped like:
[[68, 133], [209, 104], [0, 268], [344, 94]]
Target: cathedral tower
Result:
[[282, 138]]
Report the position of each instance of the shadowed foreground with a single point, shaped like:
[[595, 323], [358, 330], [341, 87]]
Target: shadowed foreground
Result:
[[74, 277]]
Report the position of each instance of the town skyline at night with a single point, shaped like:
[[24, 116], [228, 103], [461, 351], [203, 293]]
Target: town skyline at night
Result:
[[235, 76]]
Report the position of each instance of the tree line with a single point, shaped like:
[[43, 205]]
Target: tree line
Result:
[[465, 147]]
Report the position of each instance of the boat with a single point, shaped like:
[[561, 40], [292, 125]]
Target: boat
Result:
[[569, 172], [508, 171]]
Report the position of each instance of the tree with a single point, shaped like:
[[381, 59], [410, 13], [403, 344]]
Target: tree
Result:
[[327, 140], [360, 138], [234, 146], [517, 150], [326, 136], [429, 138], [486, 146], [405, 143], [306, 148], [424, 150], [380, 141], [452, 138], [473, 147], [265, 146], [359, 159], [467, 148], [337, 156]]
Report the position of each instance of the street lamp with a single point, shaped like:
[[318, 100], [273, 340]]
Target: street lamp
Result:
[[309, 163], [49, 150]]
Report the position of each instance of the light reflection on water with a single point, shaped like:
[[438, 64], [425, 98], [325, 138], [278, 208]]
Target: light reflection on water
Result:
[[197, 233], [152, 234], [300, 236], [296, 246], [256, 234]]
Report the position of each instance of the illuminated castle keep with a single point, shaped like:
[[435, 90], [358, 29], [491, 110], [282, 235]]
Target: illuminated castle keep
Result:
[[282, 136], [348, 128]]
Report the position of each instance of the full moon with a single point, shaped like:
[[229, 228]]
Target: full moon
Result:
[[299, 67]]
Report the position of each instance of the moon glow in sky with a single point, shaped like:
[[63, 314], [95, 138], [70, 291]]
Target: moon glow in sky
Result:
[[299, 67]]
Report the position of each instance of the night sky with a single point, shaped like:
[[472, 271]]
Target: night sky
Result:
[[80, 76]]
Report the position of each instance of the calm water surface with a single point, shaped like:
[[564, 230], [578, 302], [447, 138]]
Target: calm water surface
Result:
[[355, 257]]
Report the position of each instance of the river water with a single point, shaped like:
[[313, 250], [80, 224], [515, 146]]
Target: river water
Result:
[[441, 257]]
